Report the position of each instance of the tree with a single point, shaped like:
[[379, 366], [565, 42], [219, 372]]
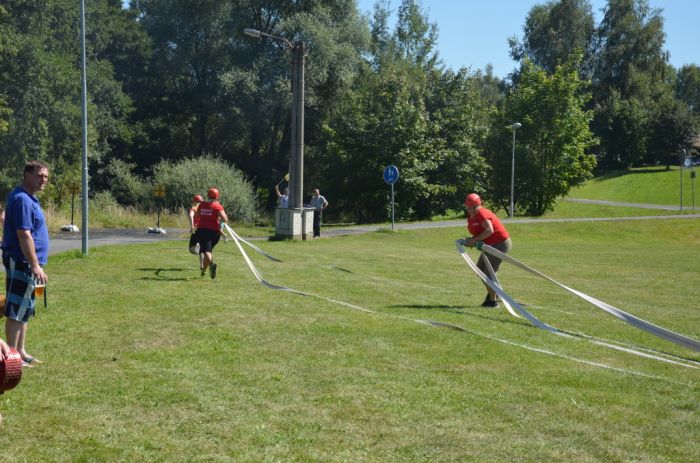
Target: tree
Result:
[[688, 87], [630, 42], [404, 110], [210, 88], [552, 145], [553, 31], [40, 80], [636, 118]]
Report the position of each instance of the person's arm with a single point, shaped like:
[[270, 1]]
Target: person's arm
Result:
[[324, 205], [191, 215], [487, 231], [4, 349], [277, 190], [222, 216], [26, 244]]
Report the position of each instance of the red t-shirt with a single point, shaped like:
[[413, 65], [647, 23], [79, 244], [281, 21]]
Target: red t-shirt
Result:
[[475, 228], [208, 215]]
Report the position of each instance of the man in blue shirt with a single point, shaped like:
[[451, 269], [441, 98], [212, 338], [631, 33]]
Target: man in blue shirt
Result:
[[25, 250]]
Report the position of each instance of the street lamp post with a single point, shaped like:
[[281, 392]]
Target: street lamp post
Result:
[[296, 155], [83, 94], [515, 127]]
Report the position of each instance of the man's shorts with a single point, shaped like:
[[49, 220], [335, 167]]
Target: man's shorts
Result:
[[207, 239], [19, 290], [194, 245]]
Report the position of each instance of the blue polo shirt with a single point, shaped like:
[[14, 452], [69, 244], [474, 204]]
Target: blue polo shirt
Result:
[[24, 213]]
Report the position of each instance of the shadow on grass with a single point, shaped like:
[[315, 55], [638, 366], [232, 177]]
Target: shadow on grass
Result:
[[159, 276]]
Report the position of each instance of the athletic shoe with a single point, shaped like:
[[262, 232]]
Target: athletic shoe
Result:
[[490, 303], [212, 270], [487, 300]]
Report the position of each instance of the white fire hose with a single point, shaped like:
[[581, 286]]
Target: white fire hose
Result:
[[511, 304]]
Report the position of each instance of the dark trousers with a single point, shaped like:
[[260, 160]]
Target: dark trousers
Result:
[[317, 223]]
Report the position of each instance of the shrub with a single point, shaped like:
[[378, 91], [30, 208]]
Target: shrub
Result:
[[193, 176], [125, 187]]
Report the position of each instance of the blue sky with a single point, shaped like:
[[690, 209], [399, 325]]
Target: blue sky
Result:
[[474, 33]]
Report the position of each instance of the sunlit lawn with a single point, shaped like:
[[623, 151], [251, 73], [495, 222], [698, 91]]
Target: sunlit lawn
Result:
[[652, 185], [147, 361]]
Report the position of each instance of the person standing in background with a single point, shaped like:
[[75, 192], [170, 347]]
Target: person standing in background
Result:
[[25, 250], [282, 197], [319, 204]]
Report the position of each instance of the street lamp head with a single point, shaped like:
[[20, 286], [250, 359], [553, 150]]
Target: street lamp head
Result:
[[516, 126], [252, 32]]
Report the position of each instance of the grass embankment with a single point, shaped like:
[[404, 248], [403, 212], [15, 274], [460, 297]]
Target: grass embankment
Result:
[[649, 185], [146, 361]]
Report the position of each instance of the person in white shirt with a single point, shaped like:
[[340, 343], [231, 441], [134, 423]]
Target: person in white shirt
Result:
[[319, 203], [282, 197]]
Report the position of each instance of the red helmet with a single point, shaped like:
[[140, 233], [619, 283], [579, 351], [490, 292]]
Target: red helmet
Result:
[[472, 200], [198, 198], [213, 193]]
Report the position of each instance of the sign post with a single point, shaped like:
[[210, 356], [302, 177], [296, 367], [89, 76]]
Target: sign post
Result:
[[685, 162], [74, 188], [391, 175], [692, 183], [158, 192]]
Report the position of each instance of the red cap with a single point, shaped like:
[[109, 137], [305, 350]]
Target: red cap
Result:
[[472, 200], [198, 198], [213, 193]]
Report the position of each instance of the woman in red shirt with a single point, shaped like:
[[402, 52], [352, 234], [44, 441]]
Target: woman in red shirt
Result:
[[209, 216], [484, 226]]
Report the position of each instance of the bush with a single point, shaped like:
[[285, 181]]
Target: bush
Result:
[[195, 176], [124, 186]]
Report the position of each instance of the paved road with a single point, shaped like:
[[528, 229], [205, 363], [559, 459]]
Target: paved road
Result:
[[63, 241], [69, 241], [618, 203]]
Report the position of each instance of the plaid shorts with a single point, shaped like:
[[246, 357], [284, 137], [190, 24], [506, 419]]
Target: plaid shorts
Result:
[[19, 288]]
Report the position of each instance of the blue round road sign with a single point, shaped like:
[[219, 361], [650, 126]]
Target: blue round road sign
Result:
[[391, 174]]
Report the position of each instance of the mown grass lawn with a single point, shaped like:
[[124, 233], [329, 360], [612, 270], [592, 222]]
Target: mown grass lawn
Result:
[[651, 185], [147, 361]]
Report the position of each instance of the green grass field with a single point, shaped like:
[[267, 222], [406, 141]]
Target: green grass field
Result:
[[652, 185], [147, 361]]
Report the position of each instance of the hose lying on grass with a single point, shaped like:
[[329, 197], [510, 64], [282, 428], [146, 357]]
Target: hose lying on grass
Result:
[[238, 240], [511, 304]]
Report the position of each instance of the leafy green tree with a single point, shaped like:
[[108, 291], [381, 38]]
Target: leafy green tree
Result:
[[40, 82], [671, 129], [491, 89], [212, 89], [553, 31], [632, 77], [552, 144], [407, 111], [630, 42], [688, 87]]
